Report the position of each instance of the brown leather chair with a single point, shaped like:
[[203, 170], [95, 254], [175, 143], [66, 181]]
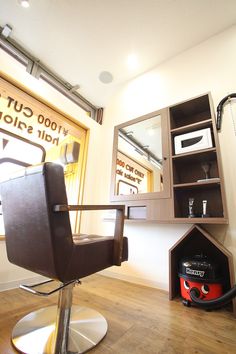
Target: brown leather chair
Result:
[[39, 238]]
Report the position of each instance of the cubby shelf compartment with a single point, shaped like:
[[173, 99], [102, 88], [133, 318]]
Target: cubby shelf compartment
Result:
[[189, 168], [209, 192], [190, 112], [196, 241], [194, 151]]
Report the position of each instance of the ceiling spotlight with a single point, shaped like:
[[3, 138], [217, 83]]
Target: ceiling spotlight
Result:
[[105, 77], [6, 31], [24, 3], [129, 133], [132, 61], [153, 129]]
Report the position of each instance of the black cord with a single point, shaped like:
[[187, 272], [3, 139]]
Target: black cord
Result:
[[220, 109], [214, 303]]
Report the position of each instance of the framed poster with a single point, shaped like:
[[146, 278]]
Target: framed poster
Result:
[[124, 188]]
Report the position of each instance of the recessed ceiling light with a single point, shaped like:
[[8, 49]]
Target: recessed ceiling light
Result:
[[105, 77], [6, 31], [132, 61], [24, 3], [129, 133], [152, 130]]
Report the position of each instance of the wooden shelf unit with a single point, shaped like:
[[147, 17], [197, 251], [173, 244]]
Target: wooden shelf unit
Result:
[[183, 175], [187, 175]]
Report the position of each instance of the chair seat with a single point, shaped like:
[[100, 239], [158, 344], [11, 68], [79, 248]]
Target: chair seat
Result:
[[97, 249]]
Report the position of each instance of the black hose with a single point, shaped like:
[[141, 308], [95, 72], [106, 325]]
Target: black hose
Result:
[[214, 303], [220, 109]]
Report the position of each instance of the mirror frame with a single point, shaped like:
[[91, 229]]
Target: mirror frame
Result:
[[165, 152]]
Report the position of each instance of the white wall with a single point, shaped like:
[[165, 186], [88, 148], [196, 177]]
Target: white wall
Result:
[[207, 67], [210, 66]]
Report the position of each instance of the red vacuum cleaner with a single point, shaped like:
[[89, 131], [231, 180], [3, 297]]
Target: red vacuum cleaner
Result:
[[201, 283]]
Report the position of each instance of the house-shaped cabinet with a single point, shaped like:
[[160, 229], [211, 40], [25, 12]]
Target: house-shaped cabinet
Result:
[[198, 241]]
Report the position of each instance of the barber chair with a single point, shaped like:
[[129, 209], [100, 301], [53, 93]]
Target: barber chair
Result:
[[39, 238]]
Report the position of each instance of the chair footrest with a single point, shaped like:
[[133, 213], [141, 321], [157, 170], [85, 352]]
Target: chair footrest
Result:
[[30, 288], [34, 333]]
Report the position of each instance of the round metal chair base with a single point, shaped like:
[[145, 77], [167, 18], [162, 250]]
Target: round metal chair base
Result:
[[33, 334]]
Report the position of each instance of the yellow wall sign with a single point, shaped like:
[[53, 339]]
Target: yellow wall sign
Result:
[[23, 118], [31, 132], [131, 177]]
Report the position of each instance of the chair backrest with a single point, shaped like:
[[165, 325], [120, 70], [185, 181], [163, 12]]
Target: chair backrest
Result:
[[37, 238]]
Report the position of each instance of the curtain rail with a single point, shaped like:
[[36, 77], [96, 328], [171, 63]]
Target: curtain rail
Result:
[[39, 70]]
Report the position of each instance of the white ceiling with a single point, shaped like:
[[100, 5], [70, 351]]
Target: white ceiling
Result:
[[80, 38]]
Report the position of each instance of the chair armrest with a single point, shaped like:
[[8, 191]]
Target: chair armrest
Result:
[[119, 224], [66, 207]]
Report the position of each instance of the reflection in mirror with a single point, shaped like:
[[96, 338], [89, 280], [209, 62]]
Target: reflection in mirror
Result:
[[139, 158]]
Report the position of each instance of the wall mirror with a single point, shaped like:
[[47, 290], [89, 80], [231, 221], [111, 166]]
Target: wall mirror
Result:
[[140, 168]]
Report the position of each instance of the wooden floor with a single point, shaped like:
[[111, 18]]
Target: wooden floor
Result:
[[141, 320]]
